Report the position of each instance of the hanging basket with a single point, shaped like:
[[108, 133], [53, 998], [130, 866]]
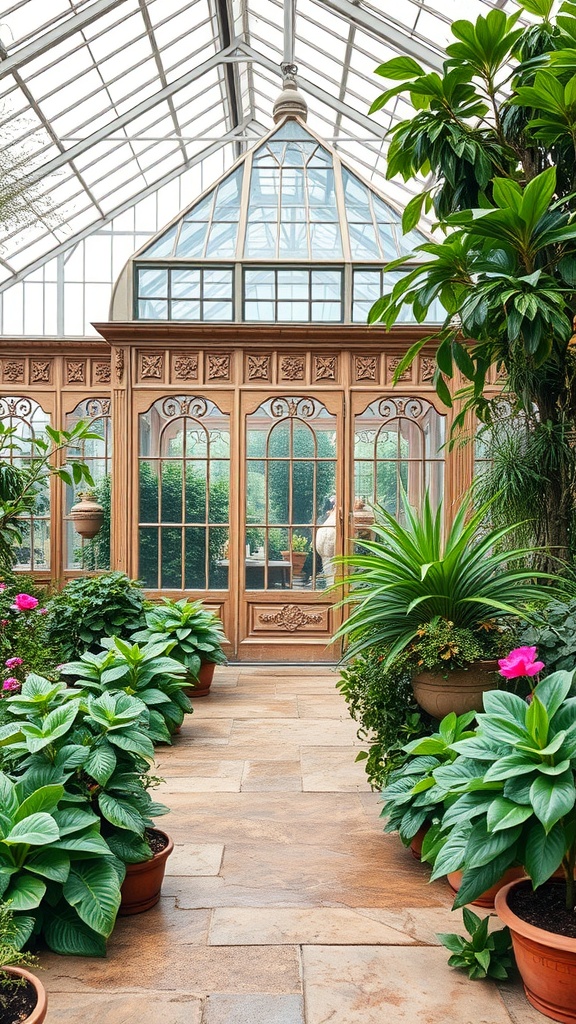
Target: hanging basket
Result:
[[87, 515]]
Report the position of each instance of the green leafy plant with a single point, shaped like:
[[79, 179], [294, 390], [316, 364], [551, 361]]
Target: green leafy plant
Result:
[[381, 701], [414, 797], [415, 574], [92, 607], [26, 464], [299, 543], [11, 956], [143, 671], [494, 131], [24, 643], [519, 807], [484, 954], [553, 630], [195, 634]]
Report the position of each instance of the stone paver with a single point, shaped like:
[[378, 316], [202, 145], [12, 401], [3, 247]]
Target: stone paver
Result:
[[283, 902]]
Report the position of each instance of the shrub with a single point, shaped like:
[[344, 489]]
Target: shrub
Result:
[[93, 607], [553, 631], [24, 642]]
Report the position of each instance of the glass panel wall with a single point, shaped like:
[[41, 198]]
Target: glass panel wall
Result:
[[184, 293], [30, 421], [293, 294], [369, 283], [398, 446], [290, 495], [91, 555], [184, 475]]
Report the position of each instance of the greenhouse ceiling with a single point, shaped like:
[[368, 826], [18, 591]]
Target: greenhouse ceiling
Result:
[[104, 102]]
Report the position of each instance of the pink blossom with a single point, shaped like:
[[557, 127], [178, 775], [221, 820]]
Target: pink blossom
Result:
[[10, 684], [13, 662], [2, 586], [42, 611], [4, 622], [24, 602], [520, 662]]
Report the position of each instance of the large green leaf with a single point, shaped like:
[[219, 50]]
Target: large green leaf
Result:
[[49, 863], [504, 814], [475, 881], [92, 889], [67, 934], [25, 892], [484, 846], [87, 843], [120, 813], [44, 799], [35, 830], [74, 819], [543, 852], [553, 797]]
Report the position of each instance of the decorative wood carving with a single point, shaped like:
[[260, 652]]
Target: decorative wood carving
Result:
[[13, 371], [258, 367], [293, 367], [366, 367], [325, 367], [185, 367], [290, 617], [427, 368], [40, 371], [218, 367], [392, 365], [152, 366], [102, 373], [75, 372], [119, 365]]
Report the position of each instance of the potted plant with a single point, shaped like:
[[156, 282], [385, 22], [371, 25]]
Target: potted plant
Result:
[[23, 997], [196, 635], [520, 808], [299, 549], [412, 578]]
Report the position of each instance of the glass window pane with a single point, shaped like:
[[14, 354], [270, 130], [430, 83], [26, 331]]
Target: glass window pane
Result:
[[217, 311], [260, 311], [261, 239], [185, 311], [293, 284], [171, 560], [325, 241], [222, 240], [217, 284], [152, 309], [195, 558], [185, 284], [148, 558], [295, 312], [192, 239], [326, 284], [196, 492], [218, 544], [148, 492], [259, 284], [363, 244], [330, 311], [152, 283], [171, 492], [162, 246], [293, 241]]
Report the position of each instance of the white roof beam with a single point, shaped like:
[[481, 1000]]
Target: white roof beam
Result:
[[56, 35], [389, 33]]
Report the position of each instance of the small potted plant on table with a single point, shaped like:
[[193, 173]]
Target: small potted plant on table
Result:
[[196, 636], [23, 997]]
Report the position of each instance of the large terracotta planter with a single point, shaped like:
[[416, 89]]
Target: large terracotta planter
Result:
[[200, 687], [87, 515], [416, 842], [141, 887], [459, 690], [298, 559], [546, 961], [454, 879], [39, 1012]]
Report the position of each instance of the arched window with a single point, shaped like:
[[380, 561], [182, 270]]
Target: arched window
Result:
[[398, 446], [91, 555], [290, 494], [30, 421], [184, 484]]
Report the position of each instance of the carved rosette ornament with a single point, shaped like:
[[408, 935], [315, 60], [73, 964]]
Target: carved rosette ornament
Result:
[[185, 367], [325, 367], [218, 367], [291, 618], [293, 367], [75, 372], [258, 367], [393, 365], [13, 371], [427, 368], [40, 372], [366, 367], [102, 373], [152, 366]]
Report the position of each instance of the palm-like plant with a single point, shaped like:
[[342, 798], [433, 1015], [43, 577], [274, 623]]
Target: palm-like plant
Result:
[[414, 573]]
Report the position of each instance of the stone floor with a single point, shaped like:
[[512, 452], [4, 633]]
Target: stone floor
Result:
[[284, 903]]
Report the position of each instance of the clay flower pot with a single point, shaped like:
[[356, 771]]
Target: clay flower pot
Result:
[[200, 687], [141, 887], [87, 515], [454, 879], [39, 1012], [298, 559], [459, 690], [546, 961], [417, 840]]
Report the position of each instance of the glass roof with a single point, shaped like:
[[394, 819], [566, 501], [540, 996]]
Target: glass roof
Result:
[[302, 204], [105, 102]]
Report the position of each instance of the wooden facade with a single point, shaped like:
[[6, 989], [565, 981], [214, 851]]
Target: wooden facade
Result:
[[236, 368]]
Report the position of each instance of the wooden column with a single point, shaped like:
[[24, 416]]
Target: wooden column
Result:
[[122, 524]]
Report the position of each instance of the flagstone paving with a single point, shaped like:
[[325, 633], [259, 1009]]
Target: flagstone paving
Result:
[[284, 902]]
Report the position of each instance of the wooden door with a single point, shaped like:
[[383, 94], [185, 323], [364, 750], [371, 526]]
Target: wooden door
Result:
[[290, 524]]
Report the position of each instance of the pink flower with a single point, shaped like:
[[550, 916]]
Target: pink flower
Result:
[[2, 586], [13, 662], [4, 622], [520, 662], [24, 602], [10, 684], [42, 611]]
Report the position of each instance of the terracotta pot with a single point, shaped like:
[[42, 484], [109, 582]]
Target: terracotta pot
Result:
[[87, 515], [487, 898], [546, 961], [298, 558], [39, 1012], [460, 690], [200, 687], [141, 887], [418, 839]]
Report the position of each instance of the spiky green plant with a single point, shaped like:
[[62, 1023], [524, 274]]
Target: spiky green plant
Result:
[[411, 574]]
